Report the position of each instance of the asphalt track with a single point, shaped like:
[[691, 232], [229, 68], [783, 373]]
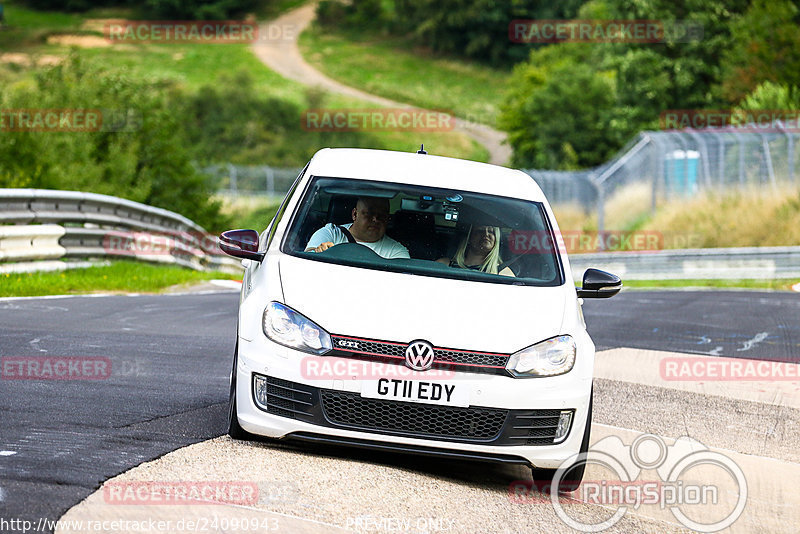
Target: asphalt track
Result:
[[735, 324], [170, 359]]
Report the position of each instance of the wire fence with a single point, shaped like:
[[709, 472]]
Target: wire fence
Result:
[[672, 164], [680, 164], [246, 180]]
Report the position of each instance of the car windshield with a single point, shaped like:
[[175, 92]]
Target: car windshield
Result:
[[424, 230]]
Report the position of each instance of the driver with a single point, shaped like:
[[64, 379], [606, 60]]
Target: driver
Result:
[[368, 228]]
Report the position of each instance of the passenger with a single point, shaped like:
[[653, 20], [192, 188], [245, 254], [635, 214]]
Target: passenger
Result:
[[368, 228], [479, 250]]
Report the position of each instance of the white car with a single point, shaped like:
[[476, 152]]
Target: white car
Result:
[[445, 322]]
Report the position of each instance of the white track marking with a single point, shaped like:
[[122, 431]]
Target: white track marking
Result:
[[228, 284], [99, 295], [34, 343], [761, 336]]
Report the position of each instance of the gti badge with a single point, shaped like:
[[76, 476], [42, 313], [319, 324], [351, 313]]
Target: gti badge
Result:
[[419, 355]]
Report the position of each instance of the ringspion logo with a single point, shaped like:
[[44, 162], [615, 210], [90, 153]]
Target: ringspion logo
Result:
[[688, 477]]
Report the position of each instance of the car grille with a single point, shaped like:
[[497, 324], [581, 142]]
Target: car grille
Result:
[[342, 409], [289, 399], [428, 420], [534, 427], [462, 360]]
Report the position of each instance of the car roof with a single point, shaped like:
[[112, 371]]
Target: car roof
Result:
[[425, 170]]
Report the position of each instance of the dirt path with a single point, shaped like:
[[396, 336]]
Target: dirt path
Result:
[[283, 56]]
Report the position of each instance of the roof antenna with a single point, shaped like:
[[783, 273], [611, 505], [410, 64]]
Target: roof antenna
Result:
[[421, 149]]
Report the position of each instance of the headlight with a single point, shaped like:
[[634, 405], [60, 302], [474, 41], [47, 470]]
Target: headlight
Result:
[[555, 356], [285, 326]]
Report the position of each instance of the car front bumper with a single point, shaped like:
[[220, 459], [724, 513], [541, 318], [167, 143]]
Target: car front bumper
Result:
[[501, 424]]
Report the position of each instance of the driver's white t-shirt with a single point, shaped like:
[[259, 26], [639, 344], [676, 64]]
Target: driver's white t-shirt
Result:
[[385, 247]]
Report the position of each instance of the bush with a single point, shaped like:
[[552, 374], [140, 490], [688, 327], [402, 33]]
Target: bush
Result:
[[145, 159], [474, 29], [198, 9], [71, 5], [167, 9]]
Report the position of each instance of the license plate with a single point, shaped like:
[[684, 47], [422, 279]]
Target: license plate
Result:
[[422, 391]]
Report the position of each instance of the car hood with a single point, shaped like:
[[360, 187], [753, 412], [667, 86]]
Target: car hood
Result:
[[402, 307]]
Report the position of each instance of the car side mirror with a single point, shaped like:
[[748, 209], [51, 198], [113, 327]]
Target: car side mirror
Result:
[[241, 244], [599, 284]]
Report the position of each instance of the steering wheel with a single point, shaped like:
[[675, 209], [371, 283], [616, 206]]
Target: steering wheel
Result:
[[351, 251]]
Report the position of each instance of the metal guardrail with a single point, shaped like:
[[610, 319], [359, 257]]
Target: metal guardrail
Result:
[[51, 224], [89, 225], [686, 264]]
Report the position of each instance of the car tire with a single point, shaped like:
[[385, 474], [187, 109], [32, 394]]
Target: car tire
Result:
[[574, 475], [235, 430]]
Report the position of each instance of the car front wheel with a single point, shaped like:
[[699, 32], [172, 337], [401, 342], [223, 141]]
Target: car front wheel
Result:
[[235, 430]]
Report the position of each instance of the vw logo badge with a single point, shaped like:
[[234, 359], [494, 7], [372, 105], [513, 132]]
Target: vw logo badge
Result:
[[419, 355]]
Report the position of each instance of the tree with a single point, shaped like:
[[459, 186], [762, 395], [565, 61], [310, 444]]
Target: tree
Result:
[[474, 29], [774, 97], [765, 48], [557, 114], [626, 86]]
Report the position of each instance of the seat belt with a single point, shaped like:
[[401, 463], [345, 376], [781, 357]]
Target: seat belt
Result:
[[347, 234]]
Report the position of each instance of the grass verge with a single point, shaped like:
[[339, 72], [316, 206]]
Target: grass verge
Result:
[[250, 212], [25, 28], [779, 285], [749, 217], [124, 276], [388, 67], [197, 66]]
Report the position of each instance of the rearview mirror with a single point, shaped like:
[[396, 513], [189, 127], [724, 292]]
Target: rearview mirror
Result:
[[241, 244], [599, 284]]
